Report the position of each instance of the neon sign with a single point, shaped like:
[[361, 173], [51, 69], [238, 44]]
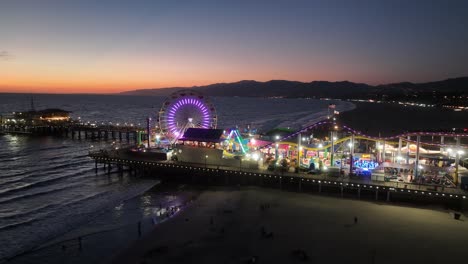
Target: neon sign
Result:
[[365, 164]]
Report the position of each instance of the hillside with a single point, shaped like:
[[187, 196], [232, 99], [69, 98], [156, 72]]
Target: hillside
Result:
[[319, 89]]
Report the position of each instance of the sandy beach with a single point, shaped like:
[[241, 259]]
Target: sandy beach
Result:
[[232, 226]]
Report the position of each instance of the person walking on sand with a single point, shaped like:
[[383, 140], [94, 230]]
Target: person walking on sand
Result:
[[355, 220]]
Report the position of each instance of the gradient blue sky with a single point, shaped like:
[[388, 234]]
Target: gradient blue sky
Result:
[[108, 46]]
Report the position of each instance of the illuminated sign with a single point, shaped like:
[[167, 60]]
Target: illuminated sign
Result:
[[366, 164]]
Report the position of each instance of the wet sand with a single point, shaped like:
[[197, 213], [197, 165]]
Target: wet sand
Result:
[[226, 227]]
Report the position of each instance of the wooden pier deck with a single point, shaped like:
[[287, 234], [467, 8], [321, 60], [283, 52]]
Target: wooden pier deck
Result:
[[149, 164], [80, 131]]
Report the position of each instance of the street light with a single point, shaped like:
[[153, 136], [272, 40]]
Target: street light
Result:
[[206, 157], [240, 163], [255, 156], [253, 141], [158, 137], [276, 151]]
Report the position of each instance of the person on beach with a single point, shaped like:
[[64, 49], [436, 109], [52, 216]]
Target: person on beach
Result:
[[355, 220]]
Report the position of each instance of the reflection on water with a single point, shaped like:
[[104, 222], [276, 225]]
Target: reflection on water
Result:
[[111, 231], [48, 185]]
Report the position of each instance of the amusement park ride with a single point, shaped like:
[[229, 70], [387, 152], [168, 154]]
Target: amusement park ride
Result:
[[184, 109], [339, 149], [190, 109]]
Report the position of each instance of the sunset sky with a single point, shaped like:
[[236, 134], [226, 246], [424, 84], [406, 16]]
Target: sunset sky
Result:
[[81, 46]]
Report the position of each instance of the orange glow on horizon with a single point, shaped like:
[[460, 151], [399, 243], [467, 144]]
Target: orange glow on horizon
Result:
[[68, 74], [59, 73], [96, 88]]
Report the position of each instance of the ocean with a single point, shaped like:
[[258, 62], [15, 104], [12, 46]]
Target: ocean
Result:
[[50, 191]]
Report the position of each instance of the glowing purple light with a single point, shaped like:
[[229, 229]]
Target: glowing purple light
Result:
[[182, 103]]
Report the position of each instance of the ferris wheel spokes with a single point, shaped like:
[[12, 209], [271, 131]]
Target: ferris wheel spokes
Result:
[[184, 109]]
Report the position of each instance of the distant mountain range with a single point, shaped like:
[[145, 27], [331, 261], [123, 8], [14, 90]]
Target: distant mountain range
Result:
[[456, 88]]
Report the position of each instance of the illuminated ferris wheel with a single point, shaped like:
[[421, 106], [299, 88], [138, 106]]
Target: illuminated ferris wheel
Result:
[[184, 109]]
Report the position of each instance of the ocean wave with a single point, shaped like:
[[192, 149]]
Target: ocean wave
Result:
[[40, 171], [33, 194], [53, 148], [41, 183], [66, 219], [44, 211], [16, 224], [41, 159]]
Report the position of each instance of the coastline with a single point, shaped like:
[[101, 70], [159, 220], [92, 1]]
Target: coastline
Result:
[[391, 119], [74, 228], [69, 228], [349, 110], [316, 224]]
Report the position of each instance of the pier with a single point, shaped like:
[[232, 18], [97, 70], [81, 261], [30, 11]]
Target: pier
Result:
[[323, 184], [80, 131]]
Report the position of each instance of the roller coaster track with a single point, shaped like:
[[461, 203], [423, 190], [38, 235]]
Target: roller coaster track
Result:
[[359, 135]]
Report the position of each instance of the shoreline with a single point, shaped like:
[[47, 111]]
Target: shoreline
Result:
[[346, 113], [55, 232], [74, 230]]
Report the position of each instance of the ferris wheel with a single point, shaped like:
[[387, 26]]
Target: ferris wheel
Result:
[[184, 109]]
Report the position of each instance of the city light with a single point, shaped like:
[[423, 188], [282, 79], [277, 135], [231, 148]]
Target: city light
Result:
[[255, 156]]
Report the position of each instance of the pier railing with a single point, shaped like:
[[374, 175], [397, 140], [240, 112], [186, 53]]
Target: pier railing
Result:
[[296, 181], [79, 131]]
